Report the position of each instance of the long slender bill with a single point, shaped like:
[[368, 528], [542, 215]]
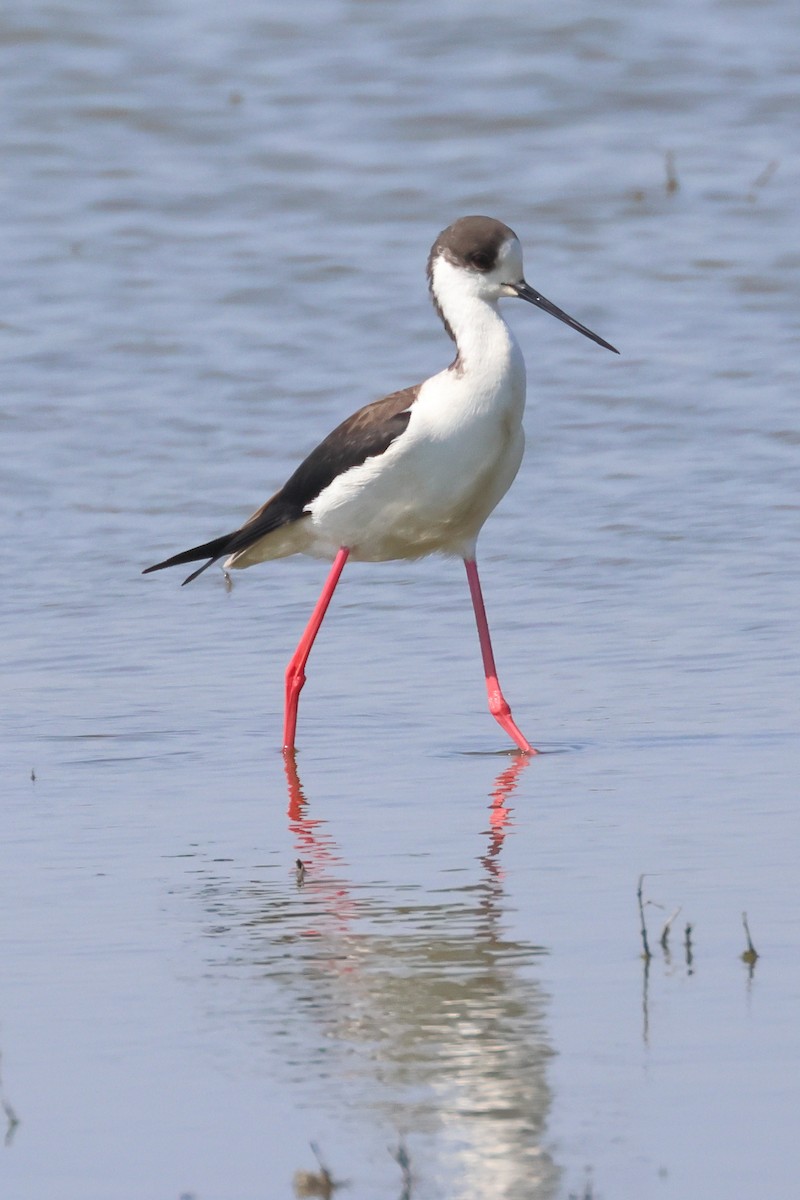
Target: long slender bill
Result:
[[525, 292]]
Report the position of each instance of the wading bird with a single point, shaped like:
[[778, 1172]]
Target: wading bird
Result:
[[419, 471]]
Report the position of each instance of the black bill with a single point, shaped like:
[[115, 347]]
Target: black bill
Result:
[[525, 292]]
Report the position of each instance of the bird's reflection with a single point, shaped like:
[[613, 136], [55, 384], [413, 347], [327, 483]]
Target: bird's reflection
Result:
[[413, 1006]]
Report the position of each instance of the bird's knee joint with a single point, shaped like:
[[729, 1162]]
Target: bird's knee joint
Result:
[[295, 678], [498, 705]]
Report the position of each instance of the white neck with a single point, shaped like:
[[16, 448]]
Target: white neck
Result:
[[485, 344]]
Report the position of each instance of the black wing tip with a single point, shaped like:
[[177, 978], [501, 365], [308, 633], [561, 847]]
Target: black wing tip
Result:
[[199, 571], [212, 551], [189, 578], [176, 562]]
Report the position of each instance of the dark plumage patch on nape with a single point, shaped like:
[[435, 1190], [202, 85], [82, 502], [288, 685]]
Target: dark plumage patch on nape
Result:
[[471, 242]]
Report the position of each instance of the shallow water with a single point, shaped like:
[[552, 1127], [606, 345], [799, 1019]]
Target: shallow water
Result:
[[216, 226]]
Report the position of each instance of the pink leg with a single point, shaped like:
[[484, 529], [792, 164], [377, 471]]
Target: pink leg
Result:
[[295, 672], [498, 705]]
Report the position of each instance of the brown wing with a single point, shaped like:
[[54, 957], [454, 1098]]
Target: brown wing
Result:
[[365, 434]]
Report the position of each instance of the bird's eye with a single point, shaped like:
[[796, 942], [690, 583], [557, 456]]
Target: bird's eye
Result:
[[481, 260]]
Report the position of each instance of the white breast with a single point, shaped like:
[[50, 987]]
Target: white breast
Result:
[[437, 483]]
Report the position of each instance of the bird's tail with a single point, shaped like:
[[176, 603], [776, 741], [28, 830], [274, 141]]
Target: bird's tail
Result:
[[211, 550]]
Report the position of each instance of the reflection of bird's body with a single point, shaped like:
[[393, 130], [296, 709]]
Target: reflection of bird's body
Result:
[[419, 471]]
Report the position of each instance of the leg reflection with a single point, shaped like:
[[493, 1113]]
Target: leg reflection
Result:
[[499, 812], [405, 1004]]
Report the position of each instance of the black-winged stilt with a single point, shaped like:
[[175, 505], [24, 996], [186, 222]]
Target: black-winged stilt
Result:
[[419, 471]]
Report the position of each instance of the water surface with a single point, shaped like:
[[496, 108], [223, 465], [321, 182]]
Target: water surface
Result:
[[216, 227]]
